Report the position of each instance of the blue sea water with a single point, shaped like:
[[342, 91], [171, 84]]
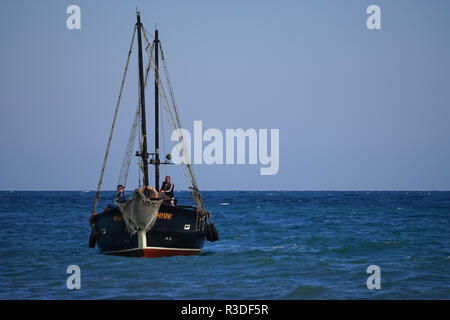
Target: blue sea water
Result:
[[273, 245]]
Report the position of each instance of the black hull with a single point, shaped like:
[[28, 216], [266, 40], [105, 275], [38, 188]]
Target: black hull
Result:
[[176, 232]]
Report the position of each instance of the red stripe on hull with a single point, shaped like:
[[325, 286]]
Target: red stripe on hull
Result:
[[154, 253]]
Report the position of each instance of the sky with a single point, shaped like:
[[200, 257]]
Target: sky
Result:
[[356, 109]]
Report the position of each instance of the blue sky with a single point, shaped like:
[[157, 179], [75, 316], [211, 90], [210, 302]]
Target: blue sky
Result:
[[357, 109]]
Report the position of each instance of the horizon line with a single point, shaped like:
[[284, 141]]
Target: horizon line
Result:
[[239, 190]]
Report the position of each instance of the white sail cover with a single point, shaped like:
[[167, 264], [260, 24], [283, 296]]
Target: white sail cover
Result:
[[139, 213]]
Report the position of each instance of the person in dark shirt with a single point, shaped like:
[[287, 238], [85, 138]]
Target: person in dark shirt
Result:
[[120, 195], [167, 187], [167, 192]]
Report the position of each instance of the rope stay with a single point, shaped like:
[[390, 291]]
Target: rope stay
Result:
[[123, 175], [175, 123], [161, 121], [97, 195], [133, 132], [188, 166]]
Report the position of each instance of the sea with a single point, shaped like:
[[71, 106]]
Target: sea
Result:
[[273, 245]]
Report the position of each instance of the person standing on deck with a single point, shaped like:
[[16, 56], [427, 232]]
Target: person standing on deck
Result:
[[120, 195], [167, 187], [167, 192]]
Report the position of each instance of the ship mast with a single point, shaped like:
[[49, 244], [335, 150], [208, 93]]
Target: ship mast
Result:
[[143, 154], [157, 161]]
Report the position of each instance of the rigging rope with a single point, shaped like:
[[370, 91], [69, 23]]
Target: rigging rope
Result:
[[172, 122], [127, 156], [97, 195], [194, 190], [136, 121], [163, 140], [175, 122]]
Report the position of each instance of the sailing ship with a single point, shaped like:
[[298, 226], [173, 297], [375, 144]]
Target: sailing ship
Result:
[[146, 225]]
